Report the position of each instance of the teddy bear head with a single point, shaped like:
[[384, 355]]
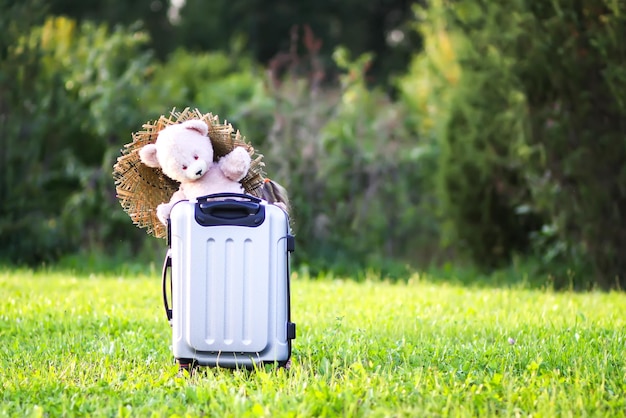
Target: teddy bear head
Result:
[[183, 151]]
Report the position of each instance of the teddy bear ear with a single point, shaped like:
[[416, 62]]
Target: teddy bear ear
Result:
[[148, 155], [196, 125]]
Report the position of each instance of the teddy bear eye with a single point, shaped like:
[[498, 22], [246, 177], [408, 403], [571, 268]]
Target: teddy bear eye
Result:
[[195, 157], [184, 167]]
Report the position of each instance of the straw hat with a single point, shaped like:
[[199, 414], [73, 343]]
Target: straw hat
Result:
[[140, 189]]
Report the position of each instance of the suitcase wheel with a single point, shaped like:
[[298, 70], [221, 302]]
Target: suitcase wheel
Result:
[[186, 365]]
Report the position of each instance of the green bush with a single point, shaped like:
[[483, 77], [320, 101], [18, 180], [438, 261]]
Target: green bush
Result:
[[475, 110], [575, 81], [68, 96], [352, 169], [345, 155], [526, 102], [228, 84]]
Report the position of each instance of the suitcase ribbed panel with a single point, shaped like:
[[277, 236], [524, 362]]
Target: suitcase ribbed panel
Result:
[[236, 284], [229, 290]]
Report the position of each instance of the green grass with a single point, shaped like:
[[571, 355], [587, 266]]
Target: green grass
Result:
[[99, 346]]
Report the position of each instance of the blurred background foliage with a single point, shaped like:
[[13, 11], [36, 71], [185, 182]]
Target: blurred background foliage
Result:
[[408, 134]]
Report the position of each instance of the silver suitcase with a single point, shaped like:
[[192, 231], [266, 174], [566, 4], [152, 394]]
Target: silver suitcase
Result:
[[228, 260]]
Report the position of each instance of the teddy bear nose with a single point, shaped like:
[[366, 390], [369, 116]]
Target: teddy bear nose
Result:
[[196, 170]]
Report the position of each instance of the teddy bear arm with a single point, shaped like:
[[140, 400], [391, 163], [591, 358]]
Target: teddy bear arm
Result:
[[235, 165], [163, 210], [177, 197]]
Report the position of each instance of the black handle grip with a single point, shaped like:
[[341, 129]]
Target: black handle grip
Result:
[[249, 212], [167, 265], [229, 209]]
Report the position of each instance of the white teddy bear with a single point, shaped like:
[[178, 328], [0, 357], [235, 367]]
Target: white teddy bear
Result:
[[185, 153]]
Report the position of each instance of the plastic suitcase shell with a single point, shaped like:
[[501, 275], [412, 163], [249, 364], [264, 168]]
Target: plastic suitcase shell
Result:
[[229, 262]]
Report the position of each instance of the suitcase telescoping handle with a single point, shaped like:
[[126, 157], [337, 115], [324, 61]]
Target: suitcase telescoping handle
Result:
[[167, 266], [239, 210]]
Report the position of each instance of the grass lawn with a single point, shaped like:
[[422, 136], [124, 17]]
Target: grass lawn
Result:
[[79, 345]]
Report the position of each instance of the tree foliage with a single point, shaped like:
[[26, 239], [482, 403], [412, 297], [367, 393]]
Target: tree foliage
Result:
[[68, 95], [574, 76], [508, 137], [475, 109], [351, 166], [152, 15], [265, 26], [72, 95], [527, 109]]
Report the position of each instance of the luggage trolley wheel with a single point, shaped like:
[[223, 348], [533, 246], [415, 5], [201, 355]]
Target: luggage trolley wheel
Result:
[[287, 365], [185, 364], [190, 366]]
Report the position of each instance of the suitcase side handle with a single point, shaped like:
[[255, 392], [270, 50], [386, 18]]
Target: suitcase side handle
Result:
[[167, 266], [231, 195]]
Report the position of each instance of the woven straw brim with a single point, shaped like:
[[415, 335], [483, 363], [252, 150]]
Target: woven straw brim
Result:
[[140, 189]]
